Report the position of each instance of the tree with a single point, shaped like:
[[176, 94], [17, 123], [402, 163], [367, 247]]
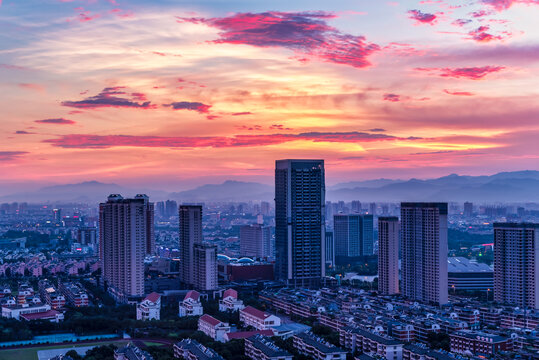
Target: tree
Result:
[[74, 355]]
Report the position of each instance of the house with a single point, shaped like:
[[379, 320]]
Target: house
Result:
[[131, 352], [34, 310], [260, 320], [310, 345], [189, 349], [479, 343], [212, 327], [191, 305], [239, 335], [149, 308], [230, 301], [258, 347]]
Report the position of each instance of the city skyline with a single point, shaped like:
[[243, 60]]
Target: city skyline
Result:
[[386, 89]]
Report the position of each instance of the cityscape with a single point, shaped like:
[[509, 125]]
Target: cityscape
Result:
[[269, 180]]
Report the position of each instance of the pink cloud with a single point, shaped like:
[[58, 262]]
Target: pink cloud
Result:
[[11, 155], [458, 93], [472, 73], [59, 121], [306, 33], [481, 35], [242, 113], [107, 141], [35, 87], [108, 98], [500, 5], [421, 17]]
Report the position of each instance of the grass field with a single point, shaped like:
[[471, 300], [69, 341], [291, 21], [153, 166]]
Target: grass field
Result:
[[31, 353]]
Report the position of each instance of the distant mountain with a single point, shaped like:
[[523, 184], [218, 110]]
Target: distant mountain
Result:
[[228, 191], [365, 184], [86, 192], [518, 186]]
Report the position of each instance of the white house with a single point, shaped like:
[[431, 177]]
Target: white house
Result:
[[149, 308], [191, 305], [230, 301], [258, 319], [212, 327], [32, 311]]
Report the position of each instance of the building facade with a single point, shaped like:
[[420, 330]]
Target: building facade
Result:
[[255, 241], [516, 264], [353, 235], [205, 267], [388, 255], [424, 251], [190, 219], [300, 222]]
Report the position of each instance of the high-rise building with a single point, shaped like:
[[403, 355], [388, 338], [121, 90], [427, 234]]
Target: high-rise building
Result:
[[160, 208], [388, 255], [300, 221], [124, 228], [330, 249], [353, 235], [372, 208], [87, 236], [171, 208], [356, 206], [516, 264], [57, 215], [265, 208], [255, 241], [424, 251], [205, 266], [468, 209], [190, 217]]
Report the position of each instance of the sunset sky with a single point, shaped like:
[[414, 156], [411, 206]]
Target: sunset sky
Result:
[[169, 93]]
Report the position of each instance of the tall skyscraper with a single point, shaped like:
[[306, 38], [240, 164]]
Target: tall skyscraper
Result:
[[516, 264], [353, 235], [356, 206], [124, 228], [265, 208], [424, 251], [171, 207], [87, 236], [205, 266], [372, 208], [190, 217], [468, 209], [388, 255], [255, 241], [160, 208], [300, 222]]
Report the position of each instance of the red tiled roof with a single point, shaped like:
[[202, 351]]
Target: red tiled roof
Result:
[[192, 295], [42, 315], [153, 297], [255, 312], [209, 319], [246, 334], [230, 292]]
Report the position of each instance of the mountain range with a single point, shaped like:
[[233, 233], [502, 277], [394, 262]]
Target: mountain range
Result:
[[516, 186]]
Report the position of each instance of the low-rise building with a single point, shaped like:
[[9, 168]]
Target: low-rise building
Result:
[[212, 327], [74, 294], [310, 345], [230, 301], [478, 343], [240, 335], [149, 308], [191, 305], [131, 352], [422, 352], [189, 349], [258, 347], [260, 320], [364, 341], [30, 311]]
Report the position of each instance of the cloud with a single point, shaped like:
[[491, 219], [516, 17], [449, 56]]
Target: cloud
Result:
[[458, 93], [461, 22], [472, 73], [377, 130], [186, 105], [82, 141], [501, 5], [59, 121], [22, 132], [11, 155], [306, 33], [242, 113], [391, 97], [30, 86], [480, 34], [84, 16], [421, 17], [107, 98]]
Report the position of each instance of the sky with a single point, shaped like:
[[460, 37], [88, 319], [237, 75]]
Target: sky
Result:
[[169, 93]]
